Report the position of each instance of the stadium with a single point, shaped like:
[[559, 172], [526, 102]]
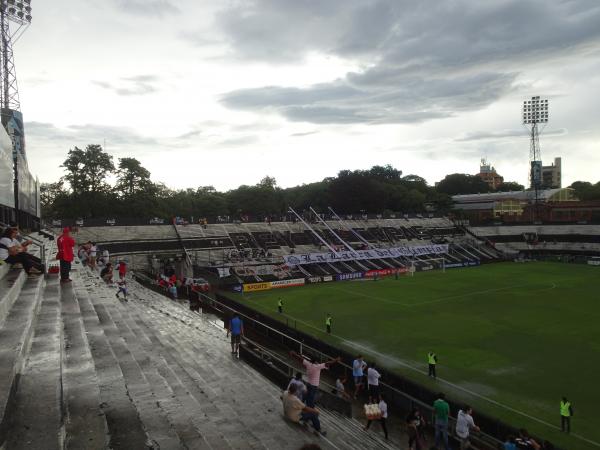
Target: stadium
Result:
[[368, 309]]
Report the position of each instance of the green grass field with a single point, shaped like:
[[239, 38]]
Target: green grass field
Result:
[[521, 335]]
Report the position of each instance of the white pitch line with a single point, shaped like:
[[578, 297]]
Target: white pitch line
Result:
[[455, 386]]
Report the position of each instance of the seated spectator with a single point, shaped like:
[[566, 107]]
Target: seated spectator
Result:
[[107, 274], [300, 391], [13, 252], [297, 412]]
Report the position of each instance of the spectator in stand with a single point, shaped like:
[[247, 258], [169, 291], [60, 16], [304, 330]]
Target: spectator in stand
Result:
[[92, 252], [122, 268], [236, 329], [358, 366], [464, 425], [13, 252], [194, 299], [104, 258], [441, 412], [524, 441], [384, 415], [107, 274], [65, 244], [300, 386], [340, 389], [509, 443], [122, 289], [297, 412], [83, 254], [173, 291], [418, 420], [24, 243], [313, 373], [373, 377]]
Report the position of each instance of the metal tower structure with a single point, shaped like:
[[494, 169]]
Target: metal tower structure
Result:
[[17, 12], [535, 118], [15, 17]]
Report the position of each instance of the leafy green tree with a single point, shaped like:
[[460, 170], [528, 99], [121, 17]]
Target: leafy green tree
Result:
[[132, 178], [460, 183], [508, 186], [87, 169]]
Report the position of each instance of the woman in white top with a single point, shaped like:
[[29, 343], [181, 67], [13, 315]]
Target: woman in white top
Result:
[[12, 252], [384, 414]]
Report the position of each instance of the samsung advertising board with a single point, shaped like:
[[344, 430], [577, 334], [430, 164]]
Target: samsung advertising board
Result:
[[7, 193]]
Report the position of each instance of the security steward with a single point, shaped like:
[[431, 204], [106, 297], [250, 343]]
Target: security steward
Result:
[[432, 360], [328, 323], [566, 411]]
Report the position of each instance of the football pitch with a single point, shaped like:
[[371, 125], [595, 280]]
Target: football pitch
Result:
[[511, 338]]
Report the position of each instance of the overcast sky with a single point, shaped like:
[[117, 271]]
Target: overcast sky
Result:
[[224, 92]]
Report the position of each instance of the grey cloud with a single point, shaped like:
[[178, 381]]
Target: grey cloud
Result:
[[424, 60], [306, 133], [507, 134], [412, 100], [86, 134], [128, 86], [150, 8]]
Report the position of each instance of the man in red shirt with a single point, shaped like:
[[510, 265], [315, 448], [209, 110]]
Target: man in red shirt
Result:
[[65, 244]]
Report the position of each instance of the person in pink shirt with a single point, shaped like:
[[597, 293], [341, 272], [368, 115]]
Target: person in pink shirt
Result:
[[313, 375]]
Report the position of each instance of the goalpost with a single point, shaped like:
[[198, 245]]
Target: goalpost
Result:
[[440, 263]]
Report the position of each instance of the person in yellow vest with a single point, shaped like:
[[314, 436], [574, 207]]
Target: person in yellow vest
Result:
[[566, 411], [432, 360], [328, 323], [280, 305]]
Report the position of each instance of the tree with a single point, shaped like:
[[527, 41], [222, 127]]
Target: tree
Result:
[[585, 190], [132, 178], [508, 186], [50, 195], [87, 169], [460, 183]]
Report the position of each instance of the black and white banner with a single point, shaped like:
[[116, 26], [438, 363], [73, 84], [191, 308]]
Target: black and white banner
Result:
[[377, 253]]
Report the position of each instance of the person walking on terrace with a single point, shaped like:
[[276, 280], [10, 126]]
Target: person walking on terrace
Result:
[[236, 329]]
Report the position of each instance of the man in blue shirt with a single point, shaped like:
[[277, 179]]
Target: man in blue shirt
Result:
[[236, 328]]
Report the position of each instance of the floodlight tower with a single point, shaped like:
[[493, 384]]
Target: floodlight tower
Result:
[[17, 13], [535, 118]]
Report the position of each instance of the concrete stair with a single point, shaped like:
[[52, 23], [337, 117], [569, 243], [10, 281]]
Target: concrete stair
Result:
[[80, 369]]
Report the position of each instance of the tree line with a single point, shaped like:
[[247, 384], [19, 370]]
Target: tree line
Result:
[[84, 192]]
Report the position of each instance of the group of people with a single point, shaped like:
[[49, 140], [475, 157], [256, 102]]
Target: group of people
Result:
[[88, 254], [14, 250]]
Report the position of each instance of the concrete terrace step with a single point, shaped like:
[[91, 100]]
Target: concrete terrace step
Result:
[[343, 431], [124, 424], [15, 339], [152, 396], [85, 423], [188, 324], [10, 286], [37, 417], [224, 405]]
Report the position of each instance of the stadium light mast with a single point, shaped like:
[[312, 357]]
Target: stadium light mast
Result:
[[535, 118], [17, 13]]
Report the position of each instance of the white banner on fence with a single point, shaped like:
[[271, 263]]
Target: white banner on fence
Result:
[[377, 253]]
